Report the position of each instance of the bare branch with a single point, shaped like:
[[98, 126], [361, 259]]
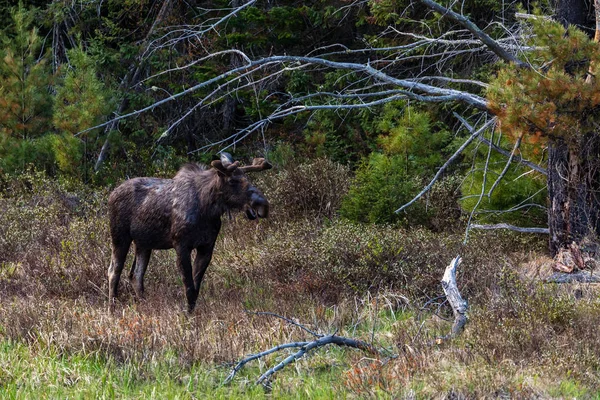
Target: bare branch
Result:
[[478, 33], [500, 150], [329, 339], [450, 160], [506, 167], [189, 32], [452, 80], [414, 90], [304, 347], [256, 356], [482, 193], [289, 321]]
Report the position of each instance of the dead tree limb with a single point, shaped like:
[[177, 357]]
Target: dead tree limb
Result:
[[303, 348], [256, 356], [450, 160], [478, 33], [320, 342], [458, 304], [515, 158], [510, 227]]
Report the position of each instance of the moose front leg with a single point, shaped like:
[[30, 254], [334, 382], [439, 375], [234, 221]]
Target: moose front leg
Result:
[[119, 254], [184, 263], [201, 262]]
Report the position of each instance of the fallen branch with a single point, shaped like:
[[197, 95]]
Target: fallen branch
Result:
[[325, 340], [510, 227], [304, 347], [458, 304], [578, 276]]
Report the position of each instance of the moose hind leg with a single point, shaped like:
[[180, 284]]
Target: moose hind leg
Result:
[[140, 264], [119, 254]]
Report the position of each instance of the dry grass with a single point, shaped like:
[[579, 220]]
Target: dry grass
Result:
[[524, 339]]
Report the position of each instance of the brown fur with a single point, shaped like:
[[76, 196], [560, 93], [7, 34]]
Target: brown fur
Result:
[[183, 213]]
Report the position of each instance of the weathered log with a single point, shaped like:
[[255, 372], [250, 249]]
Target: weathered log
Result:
[[578, 276]]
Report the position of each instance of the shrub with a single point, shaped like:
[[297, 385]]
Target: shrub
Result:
[[53, 235], [311, 189], [381, 185], [412, 146]]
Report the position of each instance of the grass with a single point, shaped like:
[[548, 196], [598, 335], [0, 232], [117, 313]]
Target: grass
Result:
[[524, 339]]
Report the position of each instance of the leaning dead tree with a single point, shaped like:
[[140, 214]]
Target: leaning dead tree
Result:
[[545, 91], [302, 348]]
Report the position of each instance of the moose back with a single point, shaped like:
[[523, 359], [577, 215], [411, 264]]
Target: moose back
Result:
[[183, 213]]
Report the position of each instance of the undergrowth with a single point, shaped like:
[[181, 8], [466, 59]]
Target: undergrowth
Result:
[[524, 339]]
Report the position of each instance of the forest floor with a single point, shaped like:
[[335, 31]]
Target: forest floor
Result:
[[380, 284]]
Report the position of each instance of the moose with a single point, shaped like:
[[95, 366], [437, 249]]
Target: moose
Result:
[[183, 213]]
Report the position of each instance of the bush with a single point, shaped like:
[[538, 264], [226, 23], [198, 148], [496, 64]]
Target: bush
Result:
[[340, 258], [312, 189], [381, 185]]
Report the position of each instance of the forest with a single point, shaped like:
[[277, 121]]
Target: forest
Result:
[[393, 140]]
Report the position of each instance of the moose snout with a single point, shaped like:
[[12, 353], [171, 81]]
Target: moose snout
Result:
[[258, 207]]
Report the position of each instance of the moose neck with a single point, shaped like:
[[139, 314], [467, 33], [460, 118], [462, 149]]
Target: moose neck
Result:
[[209, 191]]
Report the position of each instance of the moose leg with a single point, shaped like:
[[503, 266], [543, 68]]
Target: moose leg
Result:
[[119, 254], [203, 257], [142, 257], [184, 263]]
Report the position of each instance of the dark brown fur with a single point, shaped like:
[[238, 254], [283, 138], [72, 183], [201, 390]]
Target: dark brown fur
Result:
[[183, 213]]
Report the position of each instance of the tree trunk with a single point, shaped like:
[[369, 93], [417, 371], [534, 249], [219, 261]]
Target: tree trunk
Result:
[[573, 12], [573, 190], [573, 165]]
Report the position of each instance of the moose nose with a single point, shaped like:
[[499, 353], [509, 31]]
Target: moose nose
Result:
[[260, 204], [263, 210]]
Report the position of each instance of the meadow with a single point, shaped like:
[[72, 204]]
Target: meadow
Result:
[[377, 283]]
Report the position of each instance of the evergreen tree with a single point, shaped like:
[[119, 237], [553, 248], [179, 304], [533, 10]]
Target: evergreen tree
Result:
[[25, 99]]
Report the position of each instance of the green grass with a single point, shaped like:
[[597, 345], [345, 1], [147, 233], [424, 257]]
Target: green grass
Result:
[[26, 373]]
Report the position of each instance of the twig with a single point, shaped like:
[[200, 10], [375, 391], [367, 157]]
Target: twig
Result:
[[482, 193], [506, 167]]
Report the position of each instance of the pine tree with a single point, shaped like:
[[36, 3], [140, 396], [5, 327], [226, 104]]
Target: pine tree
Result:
[[25, 99]]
